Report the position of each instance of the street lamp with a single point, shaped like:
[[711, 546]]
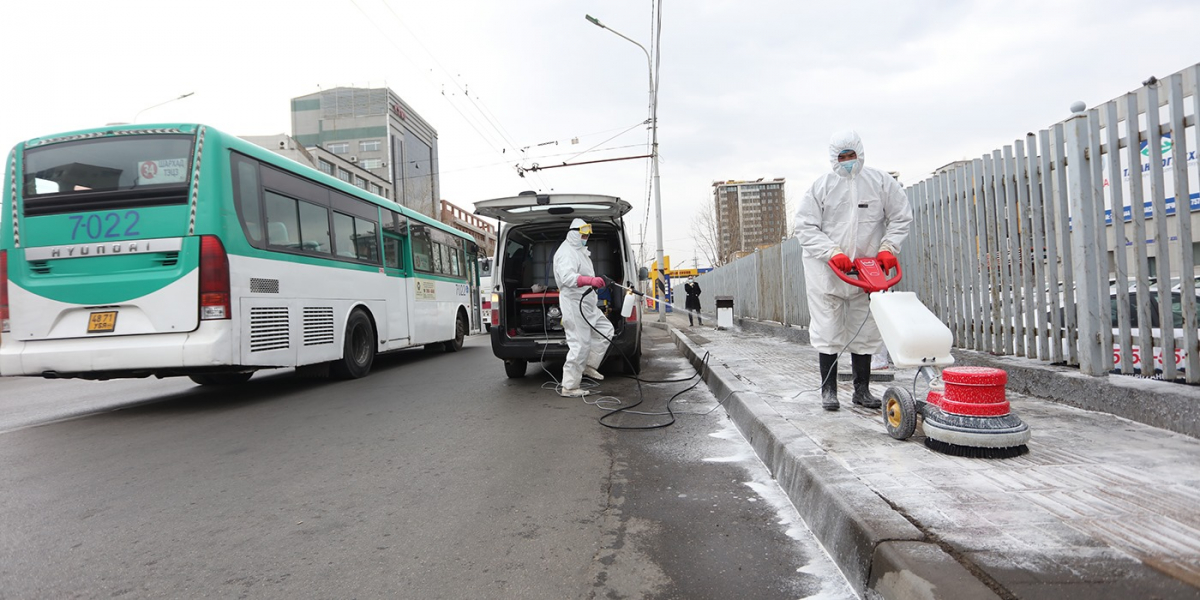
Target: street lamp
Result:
[[139, 113], [662, 268]]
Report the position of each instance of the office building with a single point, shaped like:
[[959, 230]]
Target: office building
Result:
[[377, 131]]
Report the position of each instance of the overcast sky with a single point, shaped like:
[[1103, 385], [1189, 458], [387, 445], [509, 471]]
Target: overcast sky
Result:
[[749, 88]]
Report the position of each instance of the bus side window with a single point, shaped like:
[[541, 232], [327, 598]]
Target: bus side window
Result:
[[247, 198], [439, 254], [392, 251], [343, 235], [314, 227], [422, 252], [283, 220], [366, 237]]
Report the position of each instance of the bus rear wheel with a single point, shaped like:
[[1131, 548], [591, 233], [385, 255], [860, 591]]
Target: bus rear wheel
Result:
[[460, 331], [358, 351], [222, 378]]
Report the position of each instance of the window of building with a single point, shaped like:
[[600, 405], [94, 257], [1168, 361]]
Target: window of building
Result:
[[371, 163], [369, 146], [344, 175], [325, 166], [375, 189], [340, 148], [360, 182]]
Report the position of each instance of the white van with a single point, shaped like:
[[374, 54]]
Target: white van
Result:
[[526, 321]]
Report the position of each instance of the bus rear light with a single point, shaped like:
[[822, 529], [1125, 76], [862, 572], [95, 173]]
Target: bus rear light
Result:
[[4, 322], [214, 279]]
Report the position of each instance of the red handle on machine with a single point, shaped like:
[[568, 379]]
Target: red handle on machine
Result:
[[869, 275]]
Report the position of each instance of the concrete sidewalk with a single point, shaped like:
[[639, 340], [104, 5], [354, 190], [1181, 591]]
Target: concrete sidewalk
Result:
[[1101, 506]]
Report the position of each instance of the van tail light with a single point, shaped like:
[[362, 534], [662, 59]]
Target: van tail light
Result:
[[4, 322], [633, 316], [214, 279], [495, 303]]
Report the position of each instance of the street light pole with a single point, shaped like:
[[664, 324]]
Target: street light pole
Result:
[[662, 268], [139, 113]]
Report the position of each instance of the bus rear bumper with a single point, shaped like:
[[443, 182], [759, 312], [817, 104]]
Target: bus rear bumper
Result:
[[210, 345]]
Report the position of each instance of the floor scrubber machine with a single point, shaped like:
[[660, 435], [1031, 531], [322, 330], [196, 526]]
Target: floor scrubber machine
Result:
[[965, 412]]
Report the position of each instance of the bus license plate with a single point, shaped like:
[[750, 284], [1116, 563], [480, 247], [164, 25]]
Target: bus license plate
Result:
[[102, 322]]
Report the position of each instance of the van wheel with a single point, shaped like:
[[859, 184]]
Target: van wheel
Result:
[[634, 366], [222, 378], [460, 331], [358, 350], [515, 369]]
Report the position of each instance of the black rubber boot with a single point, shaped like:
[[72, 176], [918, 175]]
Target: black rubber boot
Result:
[[861, 364], [829, 399]]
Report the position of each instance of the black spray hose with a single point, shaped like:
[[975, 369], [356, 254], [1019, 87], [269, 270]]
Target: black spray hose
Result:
[[629, 363]]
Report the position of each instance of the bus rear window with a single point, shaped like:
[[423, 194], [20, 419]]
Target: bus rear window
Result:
[[85, 167]]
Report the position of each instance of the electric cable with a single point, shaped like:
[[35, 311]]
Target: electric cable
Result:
[[631, 366]]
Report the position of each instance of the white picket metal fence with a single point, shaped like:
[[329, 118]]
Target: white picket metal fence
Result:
[[1020, 251]]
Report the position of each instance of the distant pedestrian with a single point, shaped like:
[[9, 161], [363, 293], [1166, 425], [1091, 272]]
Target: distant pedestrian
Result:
[[692, 304], [855, 211]]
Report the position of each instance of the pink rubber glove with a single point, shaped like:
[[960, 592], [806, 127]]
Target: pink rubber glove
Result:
[[585, 280]]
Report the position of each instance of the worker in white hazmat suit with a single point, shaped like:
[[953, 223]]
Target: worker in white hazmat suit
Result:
[[855, 211], [574, 274]]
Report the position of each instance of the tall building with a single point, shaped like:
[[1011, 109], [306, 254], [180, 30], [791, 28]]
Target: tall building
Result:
[[749, 214], [466, 222], [377, 131]]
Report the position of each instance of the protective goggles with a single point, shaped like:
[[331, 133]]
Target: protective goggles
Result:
[[585, 229]]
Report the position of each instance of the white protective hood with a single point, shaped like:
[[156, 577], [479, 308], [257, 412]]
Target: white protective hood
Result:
[[846, 140]]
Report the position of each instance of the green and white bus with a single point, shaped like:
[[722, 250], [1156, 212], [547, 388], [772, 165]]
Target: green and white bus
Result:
[[179, 250]]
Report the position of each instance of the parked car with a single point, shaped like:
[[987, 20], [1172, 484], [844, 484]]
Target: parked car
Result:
[[1138, 356], [526, 320]]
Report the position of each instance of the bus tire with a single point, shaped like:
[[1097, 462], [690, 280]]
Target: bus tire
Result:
[[222, 378], [358, 349], [515, 369], [460, 332]]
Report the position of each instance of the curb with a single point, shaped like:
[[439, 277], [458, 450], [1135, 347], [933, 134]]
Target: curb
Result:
[[881, 553]]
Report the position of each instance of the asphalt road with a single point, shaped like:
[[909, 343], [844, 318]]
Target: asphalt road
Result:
[[434, 477]]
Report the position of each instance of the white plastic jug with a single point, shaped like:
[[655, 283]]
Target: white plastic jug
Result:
[[913, 334], [627, 305]]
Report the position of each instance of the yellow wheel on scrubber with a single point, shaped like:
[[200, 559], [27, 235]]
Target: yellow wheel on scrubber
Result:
[[899, 413]]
